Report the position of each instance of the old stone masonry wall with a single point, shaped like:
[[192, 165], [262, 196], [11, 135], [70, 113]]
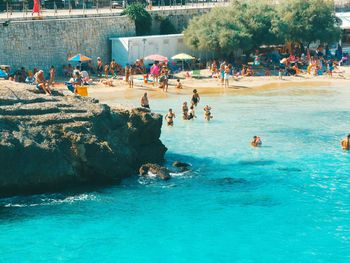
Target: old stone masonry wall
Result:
[[42, 43]]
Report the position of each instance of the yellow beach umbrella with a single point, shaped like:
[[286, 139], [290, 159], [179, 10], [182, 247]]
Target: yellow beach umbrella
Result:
[[182, 57]]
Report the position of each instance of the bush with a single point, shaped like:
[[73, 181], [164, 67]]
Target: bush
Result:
[[142, 19], [166, 27]]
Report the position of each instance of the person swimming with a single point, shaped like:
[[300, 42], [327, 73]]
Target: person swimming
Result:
[[169, 117], [185, 111], [207, 113], [256, 142], [195, 98], [345, 143]]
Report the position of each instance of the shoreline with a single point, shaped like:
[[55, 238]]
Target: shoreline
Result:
[[210, 87], [205, 86]]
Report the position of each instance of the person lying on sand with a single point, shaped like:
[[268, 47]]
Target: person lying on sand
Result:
[[107, 82]]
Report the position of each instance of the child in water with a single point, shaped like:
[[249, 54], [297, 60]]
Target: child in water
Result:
[[178, 84], [207, 113], [256, 142], [185, 111], [169, 117], [191, 113]]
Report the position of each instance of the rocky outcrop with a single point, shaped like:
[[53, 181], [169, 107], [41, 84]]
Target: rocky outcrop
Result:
[[155, 169], [51, 142]]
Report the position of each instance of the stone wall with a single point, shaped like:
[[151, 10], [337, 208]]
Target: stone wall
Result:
[[178, 17], [44, 43]]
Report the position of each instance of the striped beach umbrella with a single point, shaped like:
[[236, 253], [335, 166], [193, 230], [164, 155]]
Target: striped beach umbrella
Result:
[[79, 57]]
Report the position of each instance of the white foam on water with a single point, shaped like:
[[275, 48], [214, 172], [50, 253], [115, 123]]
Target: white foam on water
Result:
[[53, 201]]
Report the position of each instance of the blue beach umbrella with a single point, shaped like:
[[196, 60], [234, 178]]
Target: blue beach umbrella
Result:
[[3, 74], [79, 57]]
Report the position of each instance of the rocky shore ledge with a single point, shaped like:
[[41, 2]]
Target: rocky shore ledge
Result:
[[53, 142]]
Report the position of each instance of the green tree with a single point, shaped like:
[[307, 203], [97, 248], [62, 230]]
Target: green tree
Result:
[[143, 20], [310, 21], [240, 25], [166, 27]]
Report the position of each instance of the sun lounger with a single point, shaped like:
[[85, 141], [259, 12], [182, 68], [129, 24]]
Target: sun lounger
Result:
[[196, 73]]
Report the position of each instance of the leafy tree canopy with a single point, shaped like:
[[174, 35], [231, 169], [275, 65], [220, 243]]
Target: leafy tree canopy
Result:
[[143, 20], [251, 24], [310, 20]]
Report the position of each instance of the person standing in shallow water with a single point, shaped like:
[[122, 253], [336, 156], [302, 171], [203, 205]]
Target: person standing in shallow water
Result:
[[185, 111], [169, 117], [144, 101], [195, 98], [345, 143]]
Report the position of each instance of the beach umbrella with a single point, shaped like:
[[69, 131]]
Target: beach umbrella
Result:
[[3, 74], [182, 57], [79, 57], [156, 57]]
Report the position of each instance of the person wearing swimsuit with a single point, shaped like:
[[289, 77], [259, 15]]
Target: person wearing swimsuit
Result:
[[185, 111], [169, 117], [144, 101], [207, 113], [345, 143], [195, 98], [256, 142]]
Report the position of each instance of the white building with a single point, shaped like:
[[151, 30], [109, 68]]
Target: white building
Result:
[[129, 49]]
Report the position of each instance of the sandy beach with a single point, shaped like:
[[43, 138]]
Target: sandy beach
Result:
[[211, 86], [206, 86]]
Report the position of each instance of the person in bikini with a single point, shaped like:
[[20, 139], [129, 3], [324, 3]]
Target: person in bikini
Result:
[[256, 142], [169, 117], [345, 143]]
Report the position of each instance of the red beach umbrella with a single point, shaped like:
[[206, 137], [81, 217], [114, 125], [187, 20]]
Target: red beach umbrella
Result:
[[156, 57]]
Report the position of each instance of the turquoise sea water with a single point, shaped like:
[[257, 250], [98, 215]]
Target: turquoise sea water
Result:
[[288, 201]]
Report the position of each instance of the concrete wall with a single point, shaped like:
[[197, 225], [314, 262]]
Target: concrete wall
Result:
[[50, 42]]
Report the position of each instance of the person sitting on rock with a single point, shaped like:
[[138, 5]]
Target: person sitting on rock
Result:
[[41, 83], [144, 101]]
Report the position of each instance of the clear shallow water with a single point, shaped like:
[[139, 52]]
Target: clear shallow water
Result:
[[286, 202]]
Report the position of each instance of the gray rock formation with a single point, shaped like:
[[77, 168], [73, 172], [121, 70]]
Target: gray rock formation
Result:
[[49, 143], [159, 171]]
